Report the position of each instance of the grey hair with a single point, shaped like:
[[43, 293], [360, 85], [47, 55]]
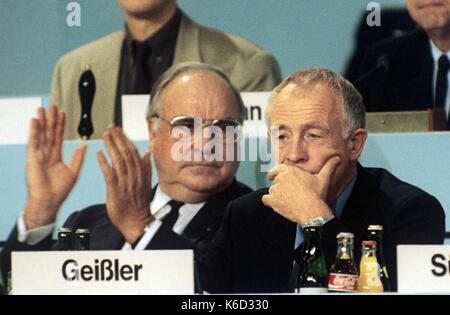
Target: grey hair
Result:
[[350, 98], [154, 107]]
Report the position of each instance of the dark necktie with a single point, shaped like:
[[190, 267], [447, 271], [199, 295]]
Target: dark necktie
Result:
[[442, 82], [170, 218], [142, 79]]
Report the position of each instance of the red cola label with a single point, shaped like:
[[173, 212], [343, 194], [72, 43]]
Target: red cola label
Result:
[[342, 282]]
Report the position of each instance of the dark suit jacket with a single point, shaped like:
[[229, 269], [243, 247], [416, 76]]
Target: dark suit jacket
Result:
[[407, 84], [396, 22], [104, 235], [253, 250]]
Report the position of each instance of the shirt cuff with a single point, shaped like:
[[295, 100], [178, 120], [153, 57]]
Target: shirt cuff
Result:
[[34, 236], [150, 232]]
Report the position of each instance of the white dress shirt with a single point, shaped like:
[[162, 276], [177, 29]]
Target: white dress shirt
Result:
[[158, 207], [437, 53]]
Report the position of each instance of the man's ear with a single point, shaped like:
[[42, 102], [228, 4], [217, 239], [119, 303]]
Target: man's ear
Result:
[[151, 134], [356, 143]]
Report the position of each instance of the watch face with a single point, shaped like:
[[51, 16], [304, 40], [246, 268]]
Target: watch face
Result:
[[315, 222], [319, 221]]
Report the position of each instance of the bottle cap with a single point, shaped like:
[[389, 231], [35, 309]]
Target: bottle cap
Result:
[[82, 231], [375, 228], [345, 235]]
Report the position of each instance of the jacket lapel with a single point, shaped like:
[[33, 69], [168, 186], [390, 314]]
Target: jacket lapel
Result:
[[358, 209], [201, 225], [105, 236], [209, 217], [187, 47], [278, 234], [423, 94]]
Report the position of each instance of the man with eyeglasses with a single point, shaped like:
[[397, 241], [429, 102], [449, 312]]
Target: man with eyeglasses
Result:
[[194, 117]]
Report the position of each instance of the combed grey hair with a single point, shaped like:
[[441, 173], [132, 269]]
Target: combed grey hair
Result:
[[350, 98], [154, 107]]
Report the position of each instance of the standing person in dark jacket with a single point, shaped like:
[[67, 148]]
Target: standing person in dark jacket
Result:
[[412, 70]]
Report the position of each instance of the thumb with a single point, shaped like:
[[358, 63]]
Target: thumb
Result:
[[266, 200], [328, 169], [77, 159]]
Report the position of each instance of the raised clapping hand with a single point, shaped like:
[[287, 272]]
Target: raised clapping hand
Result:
[[299, 195], [128, 184], [49, 180]]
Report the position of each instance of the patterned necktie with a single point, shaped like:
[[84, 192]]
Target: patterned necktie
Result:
[[170, 218]]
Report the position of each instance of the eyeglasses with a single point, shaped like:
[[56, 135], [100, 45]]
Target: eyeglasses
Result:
[[185, 128]]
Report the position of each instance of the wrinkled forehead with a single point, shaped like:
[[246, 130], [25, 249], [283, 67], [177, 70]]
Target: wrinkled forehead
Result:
[[200, 93], [300, 89], [306, 101]]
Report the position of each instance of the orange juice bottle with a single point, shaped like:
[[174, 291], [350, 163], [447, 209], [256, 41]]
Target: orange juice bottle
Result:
[[369, 270]]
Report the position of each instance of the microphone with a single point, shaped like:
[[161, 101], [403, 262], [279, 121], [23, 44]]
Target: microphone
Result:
[[86, 91], [383, 63]]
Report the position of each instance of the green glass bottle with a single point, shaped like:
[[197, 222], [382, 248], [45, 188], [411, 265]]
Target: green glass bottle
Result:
[[82, 239], [313, 274], [375, 233], [65, 239]]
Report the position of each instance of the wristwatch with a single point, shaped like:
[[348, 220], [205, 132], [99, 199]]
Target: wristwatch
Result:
[[319, 221]]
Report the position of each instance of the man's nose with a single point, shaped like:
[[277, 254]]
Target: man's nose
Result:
[[298, 151], [208, 140]]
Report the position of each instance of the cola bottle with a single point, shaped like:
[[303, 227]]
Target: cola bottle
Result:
[[343, 273]]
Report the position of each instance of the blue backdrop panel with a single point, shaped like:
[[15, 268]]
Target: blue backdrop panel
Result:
[[422, 159], [299, 33]]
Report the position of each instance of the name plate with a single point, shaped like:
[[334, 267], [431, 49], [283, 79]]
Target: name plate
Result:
[[423, 268], [134, 108], [15, 116], [103, 272]]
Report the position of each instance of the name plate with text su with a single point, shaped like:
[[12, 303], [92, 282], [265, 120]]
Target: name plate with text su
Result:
[[423, 268]]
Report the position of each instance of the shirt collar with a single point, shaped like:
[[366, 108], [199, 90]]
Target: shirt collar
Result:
[[162, 38], [437, 53], [160, 199], [338, 207]]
